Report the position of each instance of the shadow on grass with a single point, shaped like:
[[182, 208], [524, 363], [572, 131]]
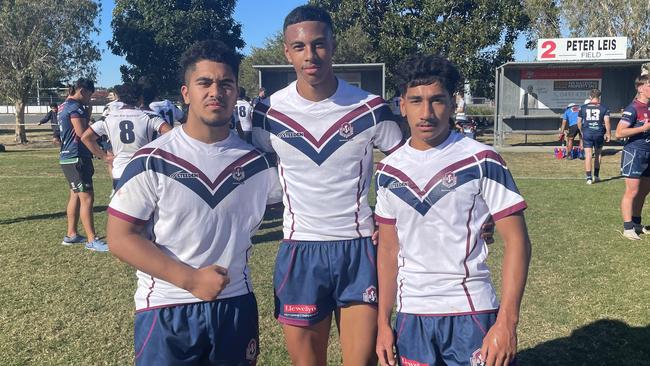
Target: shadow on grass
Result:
[[604, 342], [611, 178], [275, 235], [55, 215]]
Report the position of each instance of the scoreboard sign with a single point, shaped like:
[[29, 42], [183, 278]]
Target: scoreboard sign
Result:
[[556, 88], [572, 49]]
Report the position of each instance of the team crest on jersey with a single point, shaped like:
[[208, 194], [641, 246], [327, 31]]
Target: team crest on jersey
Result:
[[449, 180], [370, 295], [251, 350], [238, 174], [346, 131]]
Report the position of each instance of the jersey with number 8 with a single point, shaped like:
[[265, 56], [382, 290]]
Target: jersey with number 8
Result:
[[128, 130]]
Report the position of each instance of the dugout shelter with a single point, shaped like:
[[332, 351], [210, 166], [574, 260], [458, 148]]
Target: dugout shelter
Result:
[[530, 97], [369, 77]]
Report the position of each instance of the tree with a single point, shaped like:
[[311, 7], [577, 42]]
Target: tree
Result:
[[477, 35], [272, 53], [152, 35], [544, 20], [44, 39]]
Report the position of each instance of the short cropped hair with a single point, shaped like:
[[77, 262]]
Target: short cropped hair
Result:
[[128, 93], [308, 13], [82, 83], [54, 105], [422, 69], [210, 50], [642, 79], [147, 90], [242, 92], [594, 93]]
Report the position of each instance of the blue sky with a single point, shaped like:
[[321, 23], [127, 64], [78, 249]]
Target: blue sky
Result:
[[259, 19]]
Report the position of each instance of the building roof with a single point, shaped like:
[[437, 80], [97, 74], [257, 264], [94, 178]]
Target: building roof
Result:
[[581, 63]]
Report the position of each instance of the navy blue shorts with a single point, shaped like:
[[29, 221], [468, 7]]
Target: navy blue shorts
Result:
[[593, 141], [440, 340], [313, 278], [634, 163], [221, 332]]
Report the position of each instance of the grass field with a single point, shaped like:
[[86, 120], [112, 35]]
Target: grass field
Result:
[[586, 302]]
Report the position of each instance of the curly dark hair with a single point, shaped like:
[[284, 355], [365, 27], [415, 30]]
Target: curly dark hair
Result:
[[420, 69], [128, 93], [148, 90], [308, 13], [211, 50]]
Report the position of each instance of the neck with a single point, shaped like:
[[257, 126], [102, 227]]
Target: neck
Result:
[[422, 145], [642, 98], [318, 92], [196, 129]]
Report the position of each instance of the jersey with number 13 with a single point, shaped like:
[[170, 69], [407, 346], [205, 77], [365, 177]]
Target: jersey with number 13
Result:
[[128, 130]]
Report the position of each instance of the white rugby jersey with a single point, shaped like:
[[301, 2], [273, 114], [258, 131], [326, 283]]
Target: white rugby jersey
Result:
[[128, 129], [438, 200], [243, 113], [167, 110], [201, 204], [112, 106], [325, 158]]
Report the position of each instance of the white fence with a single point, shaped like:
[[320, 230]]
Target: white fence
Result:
[[40, 109]]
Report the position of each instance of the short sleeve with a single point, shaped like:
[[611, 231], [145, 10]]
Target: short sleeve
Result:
[[498, 188], [565, 115], [246, 122], [99, 128], [135, 195], [261, 137], [384, 209], [629, 115], [156, 123], [606, 109], [388, 137]]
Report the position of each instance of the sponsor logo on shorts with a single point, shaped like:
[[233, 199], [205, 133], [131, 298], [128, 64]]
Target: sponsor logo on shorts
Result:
[[183, 175], [238, 174], [346, 131], [251, 350], [395, 185], [449, 180], [300, 309], [286, 134], [407, 362], [370, 295]]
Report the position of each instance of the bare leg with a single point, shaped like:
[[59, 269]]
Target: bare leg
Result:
[[86, 213], [307, 346], [358, 332], [72, 211]]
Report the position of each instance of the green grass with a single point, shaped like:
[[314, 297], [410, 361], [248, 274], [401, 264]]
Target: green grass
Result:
[[586, 302]]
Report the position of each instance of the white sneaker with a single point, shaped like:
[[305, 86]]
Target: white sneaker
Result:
[[631, 234], [589, 181]]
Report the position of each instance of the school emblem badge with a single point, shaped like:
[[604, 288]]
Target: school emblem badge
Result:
[[346, 131], [238, 174], [251, 350], [449, 180], [370, 295]]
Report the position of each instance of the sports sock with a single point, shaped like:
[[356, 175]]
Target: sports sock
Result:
[[628, 225], [597, 172], [636, 220]]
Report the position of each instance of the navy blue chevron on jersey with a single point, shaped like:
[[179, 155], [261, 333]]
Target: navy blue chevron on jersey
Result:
[[201, 204], [438, 200], [593, 118], [71, 146], [636, 115], [325, 152]]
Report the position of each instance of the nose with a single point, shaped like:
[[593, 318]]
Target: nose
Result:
[[310, 53], [426, 111]]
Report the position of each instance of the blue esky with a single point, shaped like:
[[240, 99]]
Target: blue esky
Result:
[[259, 19]]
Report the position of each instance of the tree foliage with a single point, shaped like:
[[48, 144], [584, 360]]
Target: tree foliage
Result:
[[152, 35], [44, 40], [272, 53], [477, 35]]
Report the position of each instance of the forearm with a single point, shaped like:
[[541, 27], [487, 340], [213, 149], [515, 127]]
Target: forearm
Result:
[[629, 131], [130, 247], [88, 139], [386, 273]]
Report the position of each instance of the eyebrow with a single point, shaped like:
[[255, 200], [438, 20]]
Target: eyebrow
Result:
[[319, 39], [205, 78]]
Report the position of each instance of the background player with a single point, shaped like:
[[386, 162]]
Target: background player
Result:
[[323, 130], [593, 121], [76, 163], [165, 108], [51, 117], [200, 192], [570, 120], [243, 116], [434, 194], [129, 129], [635, 124]]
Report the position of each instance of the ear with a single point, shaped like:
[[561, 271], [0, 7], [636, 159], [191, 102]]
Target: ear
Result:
[[186, 94], [402, 106], [286, 53]]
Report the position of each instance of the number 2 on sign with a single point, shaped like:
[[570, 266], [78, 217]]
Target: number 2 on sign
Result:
[[551, 48]]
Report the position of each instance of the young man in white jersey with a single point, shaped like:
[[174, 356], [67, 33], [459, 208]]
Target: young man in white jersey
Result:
[[128, 128], [183, 214], [433, 195], [324, 131], [167, 110]]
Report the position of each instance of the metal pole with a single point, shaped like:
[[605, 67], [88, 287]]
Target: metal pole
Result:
[[38, 92]]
